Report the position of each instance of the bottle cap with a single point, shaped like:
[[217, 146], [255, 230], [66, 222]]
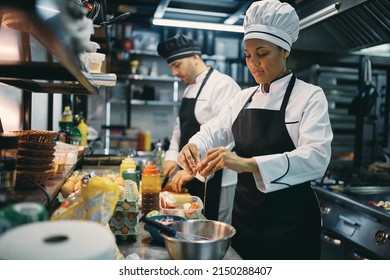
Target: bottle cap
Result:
[[150, 169], [129, 162]]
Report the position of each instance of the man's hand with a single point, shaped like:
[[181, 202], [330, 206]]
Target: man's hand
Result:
[[169, 168], [180, 180]]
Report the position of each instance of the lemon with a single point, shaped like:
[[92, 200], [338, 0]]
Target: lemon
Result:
[[152, 213]]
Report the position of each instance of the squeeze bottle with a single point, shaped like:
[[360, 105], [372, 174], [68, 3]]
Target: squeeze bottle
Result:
[[150, 190]]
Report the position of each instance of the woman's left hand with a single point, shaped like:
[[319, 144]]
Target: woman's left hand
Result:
[[222, 157]]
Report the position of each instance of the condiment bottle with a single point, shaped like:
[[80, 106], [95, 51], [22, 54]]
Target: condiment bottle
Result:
[[141, 141], [83, 128], [158, 156], [66, 125], [127, 163], [148, 141], [150, 190], [75, 136]]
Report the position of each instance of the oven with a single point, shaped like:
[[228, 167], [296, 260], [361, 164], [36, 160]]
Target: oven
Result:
[[353, 229]]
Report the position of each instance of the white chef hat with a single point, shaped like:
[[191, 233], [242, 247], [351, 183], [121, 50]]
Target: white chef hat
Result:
[[272, 21]]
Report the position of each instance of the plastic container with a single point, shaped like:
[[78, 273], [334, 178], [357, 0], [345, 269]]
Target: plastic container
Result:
[[176, 204], [83, 127], [75, 136], [148, 141], [127, 163], [97, 61], [150, 188], [141, 141]]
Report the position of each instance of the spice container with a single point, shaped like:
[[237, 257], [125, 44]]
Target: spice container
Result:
[[8, 156], [150, 189]]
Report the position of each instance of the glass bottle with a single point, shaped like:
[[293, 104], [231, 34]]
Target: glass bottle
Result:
[[158, 156]]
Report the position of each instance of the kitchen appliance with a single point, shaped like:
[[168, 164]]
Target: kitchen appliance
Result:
[[340, 85], [352, 227]]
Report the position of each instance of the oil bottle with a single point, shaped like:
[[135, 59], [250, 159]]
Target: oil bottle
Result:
[[150, 188]]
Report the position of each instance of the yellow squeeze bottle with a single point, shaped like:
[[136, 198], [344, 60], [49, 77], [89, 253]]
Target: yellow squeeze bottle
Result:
[[127, 163], [83, 127]]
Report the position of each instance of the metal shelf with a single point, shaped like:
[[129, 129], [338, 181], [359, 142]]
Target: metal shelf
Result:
[[136, 77], [138, 102], [26, 74]]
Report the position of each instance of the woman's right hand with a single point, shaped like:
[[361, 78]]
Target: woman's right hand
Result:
[[188, 158]]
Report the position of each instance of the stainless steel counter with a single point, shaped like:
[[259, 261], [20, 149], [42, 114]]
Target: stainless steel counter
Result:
[[146, 249]]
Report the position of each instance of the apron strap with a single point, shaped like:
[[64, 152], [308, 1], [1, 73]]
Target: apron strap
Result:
[[288, 93], [204, 81]]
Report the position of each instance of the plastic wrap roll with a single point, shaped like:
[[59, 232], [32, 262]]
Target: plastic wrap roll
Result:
[[58, 240]]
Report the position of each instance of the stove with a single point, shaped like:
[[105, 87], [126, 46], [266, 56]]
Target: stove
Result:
[[353, 228]]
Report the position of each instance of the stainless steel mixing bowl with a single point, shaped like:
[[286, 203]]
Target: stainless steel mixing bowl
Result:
[[219, 233]]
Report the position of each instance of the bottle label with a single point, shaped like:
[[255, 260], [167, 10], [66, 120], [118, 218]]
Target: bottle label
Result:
[[75, 140]]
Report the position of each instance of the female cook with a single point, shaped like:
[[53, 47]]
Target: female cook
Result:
[[283, 136]]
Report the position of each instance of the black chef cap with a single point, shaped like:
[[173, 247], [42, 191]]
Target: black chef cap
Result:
[[177, 47]]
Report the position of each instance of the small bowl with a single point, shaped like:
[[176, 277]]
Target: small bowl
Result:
[[155, 233], [220, 235]]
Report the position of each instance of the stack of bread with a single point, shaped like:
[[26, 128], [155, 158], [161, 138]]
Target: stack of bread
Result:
[[35, 156]]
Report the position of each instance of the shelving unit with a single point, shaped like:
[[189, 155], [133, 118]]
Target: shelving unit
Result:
[[132, 107], [62, 72], [61, 76]]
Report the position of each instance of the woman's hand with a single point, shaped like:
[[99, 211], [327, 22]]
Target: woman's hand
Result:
[[222, 157], [179, 180], [169, 167], [189, 158]]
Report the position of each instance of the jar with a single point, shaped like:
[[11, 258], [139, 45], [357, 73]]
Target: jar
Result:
[[150, 188], [9, 143]]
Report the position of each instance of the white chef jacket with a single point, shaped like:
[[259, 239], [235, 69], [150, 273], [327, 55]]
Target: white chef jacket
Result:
[[217, 92], [307, 122]]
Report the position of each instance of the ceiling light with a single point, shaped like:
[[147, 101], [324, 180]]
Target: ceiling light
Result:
[[320, 15], [198, 25], [380, 50]]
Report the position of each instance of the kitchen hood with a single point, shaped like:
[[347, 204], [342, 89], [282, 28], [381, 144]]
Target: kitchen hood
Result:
[[357, 25], [326, 25]]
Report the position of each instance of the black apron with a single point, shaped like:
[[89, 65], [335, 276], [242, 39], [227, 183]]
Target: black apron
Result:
[[188, 127], [284, 224]]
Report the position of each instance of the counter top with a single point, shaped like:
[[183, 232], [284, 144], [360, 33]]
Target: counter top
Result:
[[46, 193], [146, 249]]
